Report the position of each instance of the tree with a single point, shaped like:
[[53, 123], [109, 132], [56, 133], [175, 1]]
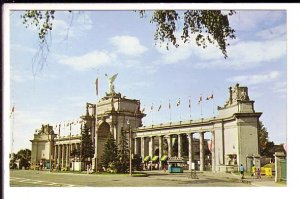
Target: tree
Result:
[[123, 154], [262, 137], [206, 26], [24, 157], [267, 148], [110, 153], [87, 148]]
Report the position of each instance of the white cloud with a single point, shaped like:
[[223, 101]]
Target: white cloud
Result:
[[280, 88], [250, 20], [128, 45], [274, 32], [248, 54], [74, 26], [89, 60], [255, 79]]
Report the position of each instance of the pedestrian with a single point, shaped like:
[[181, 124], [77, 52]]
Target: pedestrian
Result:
[[253, 169], [258, 173], [242, 171]]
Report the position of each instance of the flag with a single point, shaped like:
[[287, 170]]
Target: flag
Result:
[[96, 82], [189, 103], [210, 97], [12, 111], [159, 107], [178, 102], [151, 107], [169, 105], [200, 100]]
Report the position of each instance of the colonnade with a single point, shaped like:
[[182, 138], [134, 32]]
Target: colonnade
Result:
[[145, 145], [62, 153]]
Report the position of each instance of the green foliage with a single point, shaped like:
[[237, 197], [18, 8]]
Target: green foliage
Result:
[[266, 147], [123, 154], [24, 153], [24, 157], [208, 26], [41, 19], [87, 148], [137, 162], [110, 154]]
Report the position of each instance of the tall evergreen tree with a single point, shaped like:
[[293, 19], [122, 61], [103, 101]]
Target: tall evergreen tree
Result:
[[123, 153], [87, 148], [110, 154]]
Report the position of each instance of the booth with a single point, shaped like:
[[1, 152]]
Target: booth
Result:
[[176, 165]]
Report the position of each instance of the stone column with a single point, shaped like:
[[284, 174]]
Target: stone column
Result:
[[279, 156], [169, 140], [143, 148], [160, 148], [213, 152], [201, 145], [179, 137], [67, 156], [63, 155], [136, 146], [55, 154], [59, 154], [190, 137], [151, 147]]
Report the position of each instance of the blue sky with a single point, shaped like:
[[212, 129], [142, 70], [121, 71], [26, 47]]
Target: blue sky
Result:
[[100, 42]]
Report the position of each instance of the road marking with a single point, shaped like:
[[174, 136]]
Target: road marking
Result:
[[32, 181]]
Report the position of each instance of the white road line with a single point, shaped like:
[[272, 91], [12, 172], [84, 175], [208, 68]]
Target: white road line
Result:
[[40, 182]]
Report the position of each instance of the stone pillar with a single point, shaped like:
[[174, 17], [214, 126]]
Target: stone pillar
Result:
[[136, 146], [63, 155], [190, 137], [169, 140], [151, 147], [213, 152], [143, 148], [55, 154], [160, 148], [201, 155], [59, 154], [179, 145], [256, 161], [279, 156], [67, 156]]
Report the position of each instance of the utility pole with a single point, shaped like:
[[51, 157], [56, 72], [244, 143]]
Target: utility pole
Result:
[[130, 160]]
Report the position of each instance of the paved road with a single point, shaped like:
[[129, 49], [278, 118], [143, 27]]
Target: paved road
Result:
[[30, 178]]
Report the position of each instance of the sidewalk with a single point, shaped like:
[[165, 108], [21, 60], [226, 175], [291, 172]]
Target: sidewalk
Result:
[[264, 181]]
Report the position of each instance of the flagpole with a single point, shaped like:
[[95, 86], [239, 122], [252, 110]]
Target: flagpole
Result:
[[190, 107], [213, 102], [170, 110], [12, 129], [95, 123]]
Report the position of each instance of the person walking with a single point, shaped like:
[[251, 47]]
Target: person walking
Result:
[[253, 169], [242, 171], [258, 173]]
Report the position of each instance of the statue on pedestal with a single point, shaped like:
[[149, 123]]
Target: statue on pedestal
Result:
[[111, 83]]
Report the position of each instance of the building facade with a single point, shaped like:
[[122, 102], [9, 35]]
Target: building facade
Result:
[[233, 134]]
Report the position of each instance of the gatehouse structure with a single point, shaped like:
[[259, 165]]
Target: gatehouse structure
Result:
[[233, 134]]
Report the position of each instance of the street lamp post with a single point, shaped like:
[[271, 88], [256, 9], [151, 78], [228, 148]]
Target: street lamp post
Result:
[[130, 160]]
